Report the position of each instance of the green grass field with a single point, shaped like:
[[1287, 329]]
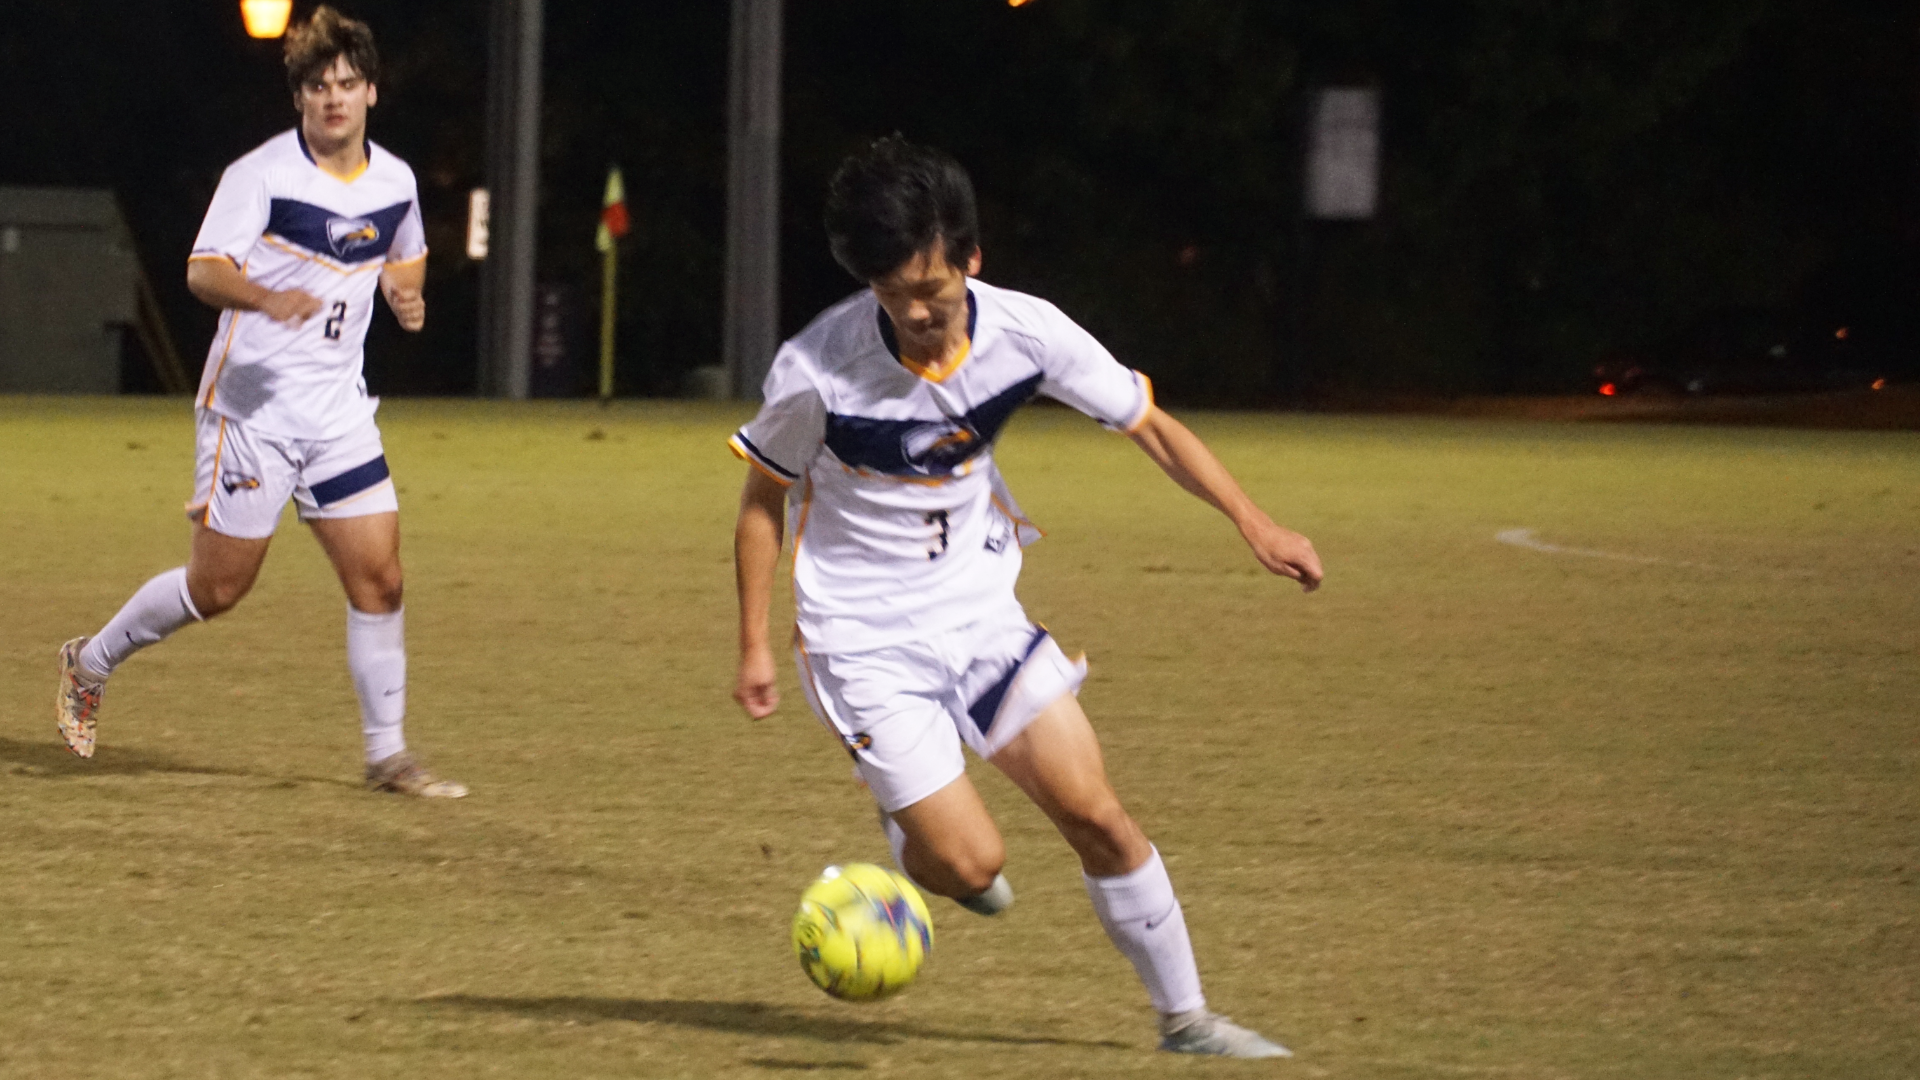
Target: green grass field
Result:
[[1473, 810]]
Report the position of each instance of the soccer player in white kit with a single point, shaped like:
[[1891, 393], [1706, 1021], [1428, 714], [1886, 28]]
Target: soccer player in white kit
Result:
[[877, 435], [300, 233]]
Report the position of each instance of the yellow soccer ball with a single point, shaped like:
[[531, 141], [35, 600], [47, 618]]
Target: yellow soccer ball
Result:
[[862, 932]]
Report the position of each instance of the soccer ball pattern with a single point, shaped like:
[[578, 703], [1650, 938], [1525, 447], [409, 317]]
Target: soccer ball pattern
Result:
[[862, 932]]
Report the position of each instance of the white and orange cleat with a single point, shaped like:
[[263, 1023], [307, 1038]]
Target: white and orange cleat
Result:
[[402, 774], [78, 701]]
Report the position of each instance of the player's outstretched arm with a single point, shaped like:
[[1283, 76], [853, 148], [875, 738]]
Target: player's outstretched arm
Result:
[[404, 285], [1182, 456], [220, 284], [756, 554]]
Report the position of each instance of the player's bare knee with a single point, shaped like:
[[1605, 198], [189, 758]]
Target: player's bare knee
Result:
[[1102, 832], [377, 593], [389, 590]]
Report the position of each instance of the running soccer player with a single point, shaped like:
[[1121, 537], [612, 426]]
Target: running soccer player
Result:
[[878, 430], [300, 233]]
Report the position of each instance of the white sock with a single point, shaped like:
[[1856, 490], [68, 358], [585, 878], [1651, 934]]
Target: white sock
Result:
[[377, 657], [1142, 916], [160, 607]]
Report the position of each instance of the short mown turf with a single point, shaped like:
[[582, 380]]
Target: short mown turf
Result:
[[1642, 807]]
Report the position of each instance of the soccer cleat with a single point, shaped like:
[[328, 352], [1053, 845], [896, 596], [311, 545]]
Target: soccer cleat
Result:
[[1203, 1032], [75, 706], [997, 898], [402, 774]]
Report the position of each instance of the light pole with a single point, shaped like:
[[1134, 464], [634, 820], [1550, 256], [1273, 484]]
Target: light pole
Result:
[[513, 188], [750, 328]]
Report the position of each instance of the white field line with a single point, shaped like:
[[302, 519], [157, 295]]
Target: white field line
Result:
[[1524, 538]]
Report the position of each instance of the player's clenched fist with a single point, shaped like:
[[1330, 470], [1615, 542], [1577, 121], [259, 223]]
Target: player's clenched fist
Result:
[[1285, 552], [757, 692], [409, 306], [292, 307]]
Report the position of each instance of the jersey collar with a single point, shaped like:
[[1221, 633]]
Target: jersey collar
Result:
[[366, 158], [928, 371]]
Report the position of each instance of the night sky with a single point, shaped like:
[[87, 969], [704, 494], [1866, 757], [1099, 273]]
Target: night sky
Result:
[[1563, 184]]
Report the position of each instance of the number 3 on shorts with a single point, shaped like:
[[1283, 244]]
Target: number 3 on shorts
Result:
[[339, 316], [938, 517]]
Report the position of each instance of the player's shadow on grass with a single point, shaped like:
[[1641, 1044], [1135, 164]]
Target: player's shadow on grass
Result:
[[50, 759], [741, 1018]]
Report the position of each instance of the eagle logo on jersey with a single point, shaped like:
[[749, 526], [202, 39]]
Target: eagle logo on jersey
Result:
[[941, 446], [235, 482], [348, 235]]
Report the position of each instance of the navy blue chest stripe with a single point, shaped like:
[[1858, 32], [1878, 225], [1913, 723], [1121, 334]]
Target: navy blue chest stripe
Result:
[[347, 238], [925, 447]]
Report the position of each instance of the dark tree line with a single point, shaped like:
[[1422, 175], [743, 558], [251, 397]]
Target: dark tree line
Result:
[[1561, 182]]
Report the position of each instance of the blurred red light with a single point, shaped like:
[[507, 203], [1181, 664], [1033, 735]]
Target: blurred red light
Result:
[[1840, 334], [1608, 389], [1880, 384]]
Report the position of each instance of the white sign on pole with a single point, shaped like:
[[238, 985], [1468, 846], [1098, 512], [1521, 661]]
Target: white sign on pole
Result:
[[477, 224], [1343, 154]]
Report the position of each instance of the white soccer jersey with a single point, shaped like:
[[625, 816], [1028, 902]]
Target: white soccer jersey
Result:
[[902, 527], [289, 224]]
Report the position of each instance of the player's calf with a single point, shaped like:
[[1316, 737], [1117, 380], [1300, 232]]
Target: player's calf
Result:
[[947, 843], [221, 571], [992, 900], [958, 872]]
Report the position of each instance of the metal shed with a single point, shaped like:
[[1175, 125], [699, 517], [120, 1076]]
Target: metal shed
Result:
[[69, 287]]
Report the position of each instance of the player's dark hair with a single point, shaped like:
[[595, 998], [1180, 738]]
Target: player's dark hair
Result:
[[327, 35], [893, 200]]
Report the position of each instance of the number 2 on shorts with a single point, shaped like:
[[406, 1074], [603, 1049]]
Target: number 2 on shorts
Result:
[[938, 517]]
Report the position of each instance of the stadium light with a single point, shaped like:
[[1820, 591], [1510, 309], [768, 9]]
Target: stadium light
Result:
[[266, 18]]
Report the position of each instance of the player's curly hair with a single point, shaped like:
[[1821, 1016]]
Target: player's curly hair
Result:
[[312, 47], [895, 199]]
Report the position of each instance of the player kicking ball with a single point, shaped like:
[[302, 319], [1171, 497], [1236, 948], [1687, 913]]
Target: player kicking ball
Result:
[[299, 234], [878, 432]]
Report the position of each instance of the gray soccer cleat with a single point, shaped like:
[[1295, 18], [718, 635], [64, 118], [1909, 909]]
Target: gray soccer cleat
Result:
[[402, 774], [1203, 1032], [997, 898]]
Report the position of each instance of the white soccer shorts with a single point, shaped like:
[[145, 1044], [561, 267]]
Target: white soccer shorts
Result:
[[904, 711], [243, 478]]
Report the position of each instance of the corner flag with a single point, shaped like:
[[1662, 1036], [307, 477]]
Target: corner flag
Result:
[[613, 212], [613, 226]]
